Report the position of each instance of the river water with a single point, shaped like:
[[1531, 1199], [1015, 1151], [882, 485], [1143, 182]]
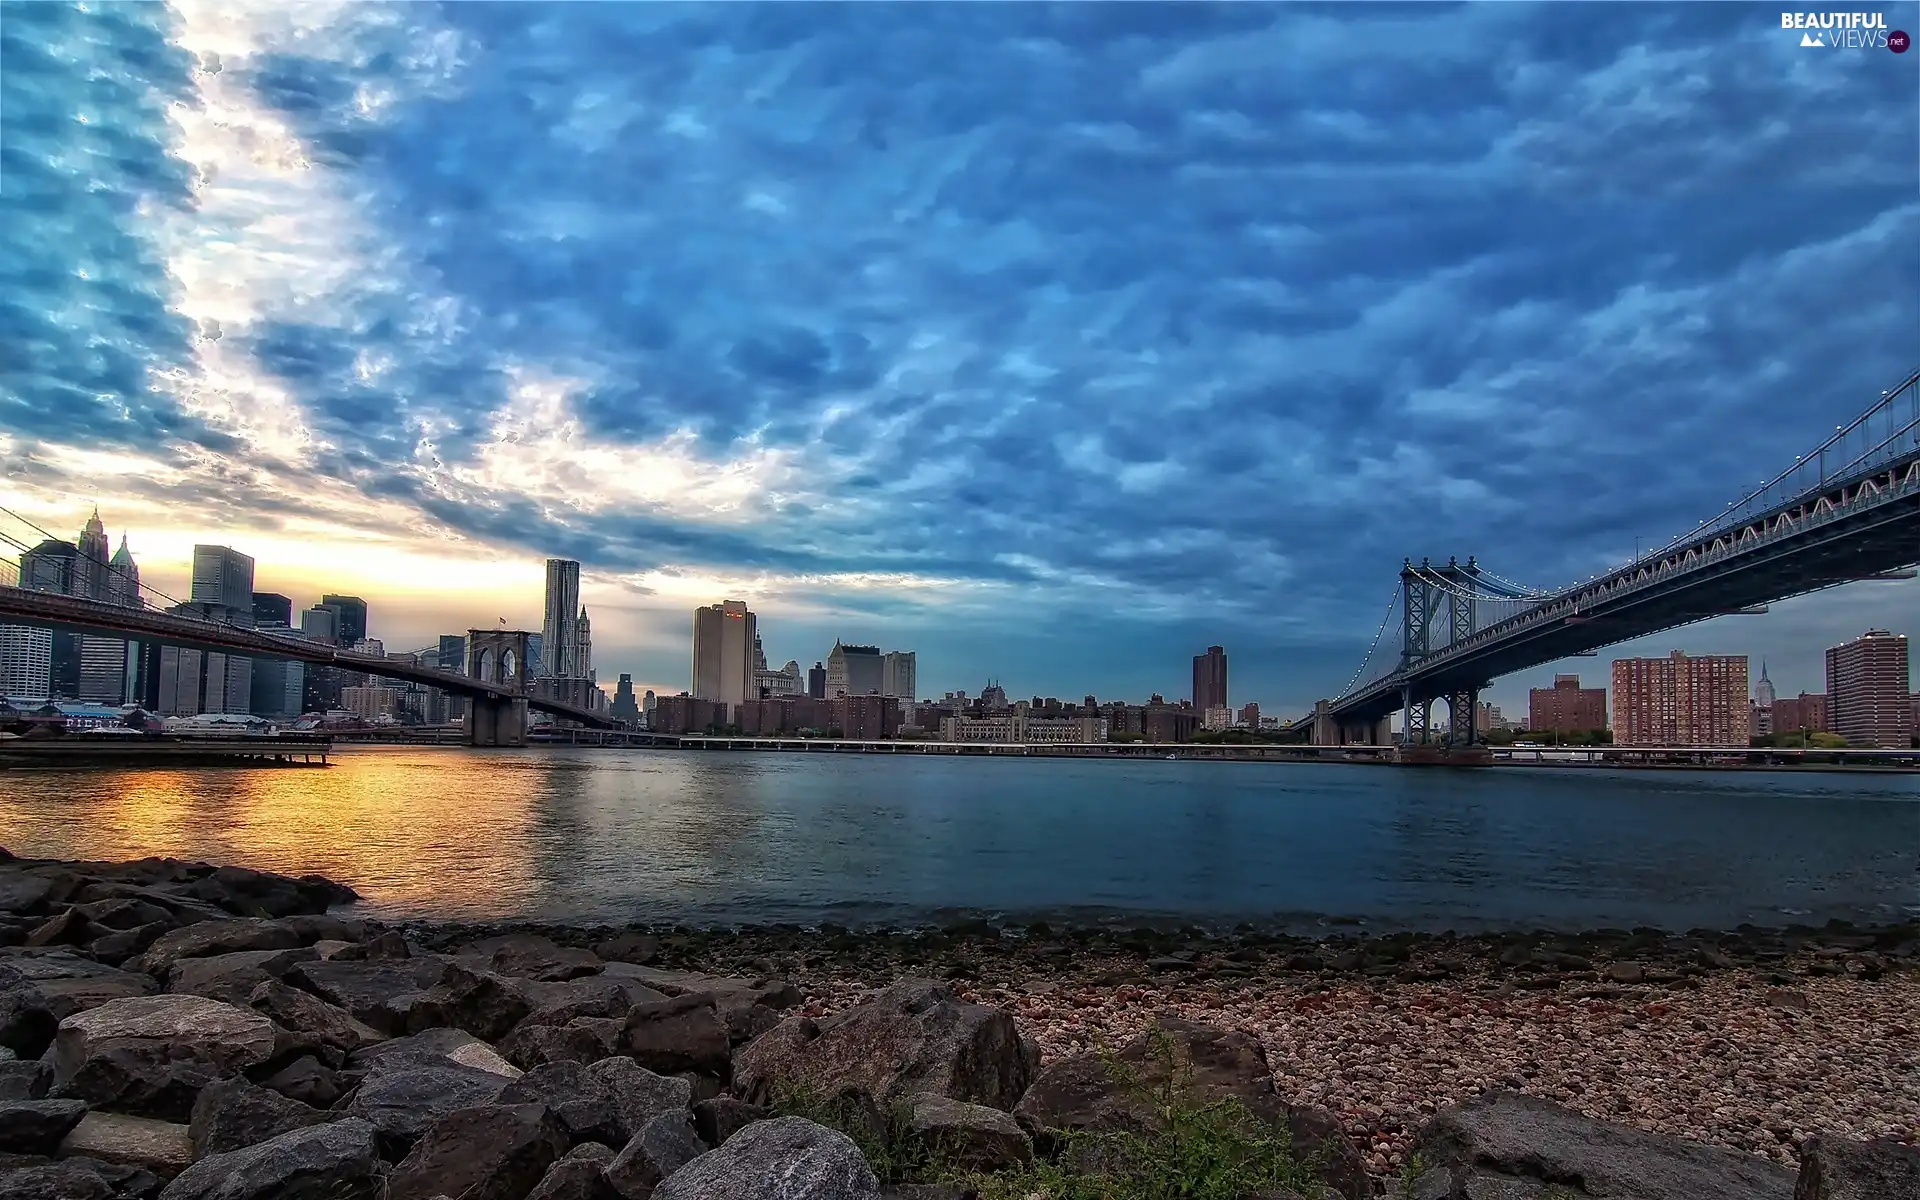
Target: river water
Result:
[[646, 835]]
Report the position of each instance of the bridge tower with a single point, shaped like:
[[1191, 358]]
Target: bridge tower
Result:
[[1463, 612], [499, 657], [1416, 620]]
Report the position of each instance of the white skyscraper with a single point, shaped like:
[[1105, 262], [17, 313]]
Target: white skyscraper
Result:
[[896, 674], [723, 636], [560, 629]]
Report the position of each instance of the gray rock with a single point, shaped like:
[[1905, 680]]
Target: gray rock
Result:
[[39, 990], [338, 1161], [681, 1034], [161, 1147], [495, 1152], [310, 1023], [662, 1147], [581, 1175], [389, 946], [785, 1159], [1433, 1184], [323, 927], [1503, 1135], [911, 1037], [969, 1135], [369, 990], [25, 1079], [233, 977], [638, 1094], [149, 1055], [578, 1099], [36, 1126], [592, 996], [234, 1113], [718, 1119], [454, 1045], [583, 1040], [484, 1004], [309, 1081], [210, 938], [78, 1179], [530, 956], [402, 1095], [1832, 1169], [117, 947], [630, 948]]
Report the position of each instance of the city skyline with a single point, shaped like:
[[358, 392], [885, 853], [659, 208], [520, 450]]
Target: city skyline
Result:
[[1067, 431]]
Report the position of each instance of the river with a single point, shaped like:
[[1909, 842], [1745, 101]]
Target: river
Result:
[[657, 835]]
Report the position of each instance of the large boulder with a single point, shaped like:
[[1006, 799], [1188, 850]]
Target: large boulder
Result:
[[530, 956], [162, 1147], [580, 1100], [309, 1022], [77, 1179], [38, 990], [720, 1118], [1206, 1065], [969, 1135], [149, 1055], [494, 1152], [251, 893], [232, 977], [909, 1038], [661, 1147], [678, 1035], [25, 1080], [36, 1126], [309, 1081], [638, 1094], [785, 1159], [1835, 1169], [378, 992], [454, 1045], [1504, 1137], [234, 1113], [337, 1161], [584, 1040], [484, 1004], [210, 939], [403, 1094], [581, 1175]]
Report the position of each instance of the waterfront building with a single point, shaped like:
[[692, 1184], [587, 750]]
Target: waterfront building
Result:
[[1868, 700], [1566, 707], [1021, 727], [374, 705], [897, 670], [1217, 719], [560, 628], [855, 671], [1210, 679], [625, 707], [1680, 701], [352, 612], [723, 637], [1162, 722], [688, 714], [1249, 713]]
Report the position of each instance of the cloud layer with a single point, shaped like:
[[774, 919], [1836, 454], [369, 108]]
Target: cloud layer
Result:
[[1056, 341]]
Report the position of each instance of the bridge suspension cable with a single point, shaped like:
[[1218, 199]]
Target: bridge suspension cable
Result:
[[108, 564], [1380, 633], [1520, 590]]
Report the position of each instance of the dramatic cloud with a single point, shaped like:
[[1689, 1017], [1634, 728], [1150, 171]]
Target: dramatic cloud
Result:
[[1053, 341]]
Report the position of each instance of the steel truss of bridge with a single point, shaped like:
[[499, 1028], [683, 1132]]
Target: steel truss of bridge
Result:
[[74, 614], [1849, 511]]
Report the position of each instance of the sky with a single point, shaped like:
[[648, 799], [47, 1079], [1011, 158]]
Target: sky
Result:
[[1055, 343]]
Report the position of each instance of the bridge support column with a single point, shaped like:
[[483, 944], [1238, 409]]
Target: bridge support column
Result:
[[1463, 710], [1415, 719], [1382, 732], [494, 721], [1325, 731]]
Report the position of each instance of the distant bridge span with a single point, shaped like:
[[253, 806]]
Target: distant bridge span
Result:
[[1848, 511], [19, 606]]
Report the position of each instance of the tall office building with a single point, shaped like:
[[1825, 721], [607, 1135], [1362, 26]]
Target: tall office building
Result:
[[1210, 679], [583, 646], [897, 674], [560, 630], [1566, 707], [1681, 701], [279, 685], [854, 671], [322, 624], [1867, 690], [224, 576], [723, 655], [108, 665], [271, 610], [353, 617], [817, 681], [92, 569], [47, 663], [626, 706]]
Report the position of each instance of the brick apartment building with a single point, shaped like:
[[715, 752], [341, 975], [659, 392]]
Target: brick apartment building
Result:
[[1868, 694], [1805, 713], [1681, 701], [1566, 707]]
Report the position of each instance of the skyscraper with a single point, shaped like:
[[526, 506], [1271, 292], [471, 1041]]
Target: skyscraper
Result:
[[854, 671], [272, 611], [1681, 701], [583, 646], [48, 662], [723, 655], [1210, 679], [224, 576], [322, 624], [92, 569], [897, 674], [817, 681], [560, 630], [1867, 694], [353, 617], [108, 665], [625, 706]]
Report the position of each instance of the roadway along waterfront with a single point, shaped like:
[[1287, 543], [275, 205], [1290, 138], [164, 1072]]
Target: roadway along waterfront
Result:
[[649, 835]]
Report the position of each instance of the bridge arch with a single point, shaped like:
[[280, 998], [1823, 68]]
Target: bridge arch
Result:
[[509, 666], [483, 665]]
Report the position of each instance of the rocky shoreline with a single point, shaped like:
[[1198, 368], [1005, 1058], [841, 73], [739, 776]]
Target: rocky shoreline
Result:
[[189, 1032]]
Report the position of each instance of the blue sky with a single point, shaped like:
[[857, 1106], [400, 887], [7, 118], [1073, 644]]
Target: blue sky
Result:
[[1055, 343]]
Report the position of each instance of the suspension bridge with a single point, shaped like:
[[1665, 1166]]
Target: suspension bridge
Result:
[[496, 680], [1848, 510]]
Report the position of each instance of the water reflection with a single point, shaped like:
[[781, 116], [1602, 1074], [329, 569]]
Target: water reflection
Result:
[[597, 835]]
